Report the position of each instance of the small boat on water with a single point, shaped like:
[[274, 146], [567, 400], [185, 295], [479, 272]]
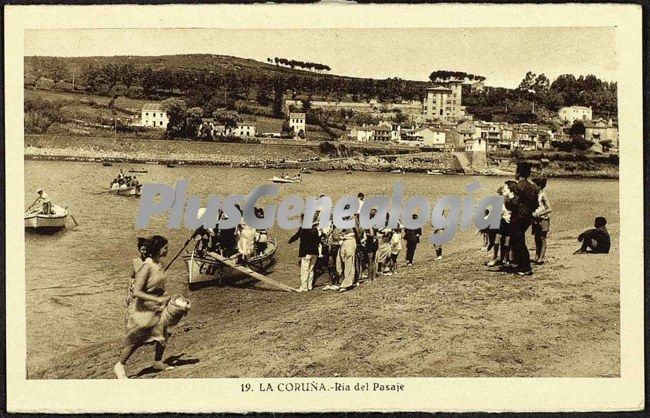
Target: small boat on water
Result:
[[171, 165], [139, 171], [305, 171], [277, 179], [41, 222], [434, 172], [348, 172], [107, 163], [126, 191], [211, 266], [397, 171]]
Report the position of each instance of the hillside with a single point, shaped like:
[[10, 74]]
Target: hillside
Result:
[[251, 87]]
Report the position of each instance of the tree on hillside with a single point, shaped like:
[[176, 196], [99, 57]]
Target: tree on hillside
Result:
[[278, 98], [577, 130], [176, 110], [228, 118], [444, 75], [193, 119], [58, 71]]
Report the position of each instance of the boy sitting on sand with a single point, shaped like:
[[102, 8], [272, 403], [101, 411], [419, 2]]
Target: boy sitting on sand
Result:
[[595, 241]]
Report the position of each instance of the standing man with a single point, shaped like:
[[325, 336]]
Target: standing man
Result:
[[308, 253], [44, 199], [524, 203], [371, 247], [360, 198], [412, 237]]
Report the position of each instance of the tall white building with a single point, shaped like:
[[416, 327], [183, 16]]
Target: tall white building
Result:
[[572, 113], [154, 116], [298, 122], [444, 101]]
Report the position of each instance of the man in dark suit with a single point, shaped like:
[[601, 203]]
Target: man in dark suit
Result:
[[523, 205]]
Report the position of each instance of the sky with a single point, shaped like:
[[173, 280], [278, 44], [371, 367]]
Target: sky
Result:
[[502, 55]]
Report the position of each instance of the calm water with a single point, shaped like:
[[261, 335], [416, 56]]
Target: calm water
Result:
[[77, 279]]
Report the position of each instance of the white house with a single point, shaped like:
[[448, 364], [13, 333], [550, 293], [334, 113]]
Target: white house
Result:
[[298, 122], [475, 145], [242, 130], [572, 113], [154, 116], [362, 134]]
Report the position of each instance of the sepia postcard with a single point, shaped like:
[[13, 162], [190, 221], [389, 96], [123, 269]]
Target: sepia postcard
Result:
[[313, 208]]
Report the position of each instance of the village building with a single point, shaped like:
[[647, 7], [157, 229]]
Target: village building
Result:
[[244, 130], [382, 133], [444, 101], [361, 134], [426, 137], [154, 116], [572, 113], [395, 130], [524, 139], [491, 134], [298, 123], [600, 131]]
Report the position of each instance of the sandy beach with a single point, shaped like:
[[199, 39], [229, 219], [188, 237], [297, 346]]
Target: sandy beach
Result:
[[439, 318]]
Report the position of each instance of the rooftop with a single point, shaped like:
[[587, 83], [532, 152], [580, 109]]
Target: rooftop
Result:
[[152, 106]]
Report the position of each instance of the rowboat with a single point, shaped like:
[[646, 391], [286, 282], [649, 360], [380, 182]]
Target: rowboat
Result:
[[41, 222], [211, 266], [434, 172], [397, 171], [140, 171], [107, 163], [128, 191], [305, 171], [277, 179]]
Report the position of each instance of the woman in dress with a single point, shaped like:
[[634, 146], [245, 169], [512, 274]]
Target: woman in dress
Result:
[[145, 303]]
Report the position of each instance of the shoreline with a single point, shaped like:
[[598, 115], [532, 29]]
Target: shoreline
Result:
[[290, 156]]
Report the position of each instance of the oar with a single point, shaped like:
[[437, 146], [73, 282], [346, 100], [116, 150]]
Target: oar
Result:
[[72, 217], [179, 253], [30, 206]]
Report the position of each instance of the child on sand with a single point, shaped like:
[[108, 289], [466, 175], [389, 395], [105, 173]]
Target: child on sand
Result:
[[395, 248], [501, 248], [595, 241], [541, 221]]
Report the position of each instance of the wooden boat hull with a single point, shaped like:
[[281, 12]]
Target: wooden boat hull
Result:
[[129, 191], [46, 223], [204, 268], [282, 180]]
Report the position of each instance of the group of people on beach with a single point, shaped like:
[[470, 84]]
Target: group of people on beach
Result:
[[526, 205], [355, 255], [124, 182], [349, 257]]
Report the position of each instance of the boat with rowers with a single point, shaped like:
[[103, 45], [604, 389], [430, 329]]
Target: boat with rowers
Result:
[[211, 266], [126, 191], [38, 221]]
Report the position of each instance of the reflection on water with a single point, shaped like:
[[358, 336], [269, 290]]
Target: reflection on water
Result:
[[77, 278]]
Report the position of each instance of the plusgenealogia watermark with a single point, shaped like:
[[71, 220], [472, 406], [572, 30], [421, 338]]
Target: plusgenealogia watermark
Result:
[[446, 215]]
